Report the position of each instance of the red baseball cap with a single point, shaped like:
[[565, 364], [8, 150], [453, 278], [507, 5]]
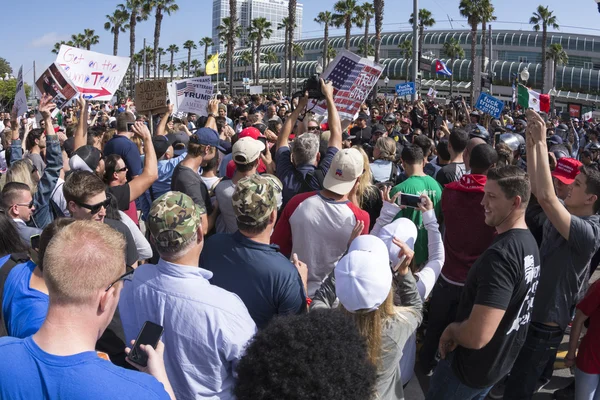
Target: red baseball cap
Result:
[[566, 170], [406, 121], [250, 132]]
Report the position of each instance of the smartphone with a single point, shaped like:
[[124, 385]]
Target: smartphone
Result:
[[439, 121], [35, 242], [410, 200], [150, 334], [129, 126]]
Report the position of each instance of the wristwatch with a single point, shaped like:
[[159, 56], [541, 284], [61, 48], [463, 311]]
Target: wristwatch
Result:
[[212, 115]]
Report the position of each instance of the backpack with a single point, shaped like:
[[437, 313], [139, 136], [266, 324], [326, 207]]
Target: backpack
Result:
[[393, 179], [13, 261], [304, 185]]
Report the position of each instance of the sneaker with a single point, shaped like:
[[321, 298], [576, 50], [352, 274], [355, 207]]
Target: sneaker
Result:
[[567, 393], [497, 391], [541, 384]]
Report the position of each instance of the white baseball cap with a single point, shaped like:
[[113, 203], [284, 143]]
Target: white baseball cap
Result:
[[246, 150], [403, 229], [363, 277], [347, 165]]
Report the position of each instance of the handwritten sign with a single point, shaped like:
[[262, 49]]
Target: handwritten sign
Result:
[[96, 75], [405, 89], [57, 84], [191, 95], [151, 95], [20, 98], [353, 79], [490, 105]]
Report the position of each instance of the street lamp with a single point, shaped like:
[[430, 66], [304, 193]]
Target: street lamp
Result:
[[386, 81], [524, 74]]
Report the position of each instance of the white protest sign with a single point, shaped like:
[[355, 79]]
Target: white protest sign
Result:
[[255, 89], [96, 75], [191, 95], [20, 98]]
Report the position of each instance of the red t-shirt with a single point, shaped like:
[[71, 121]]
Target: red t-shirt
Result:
[[588, 357]]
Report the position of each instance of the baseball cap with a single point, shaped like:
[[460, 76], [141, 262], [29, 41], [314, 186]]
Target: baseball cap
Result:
[[254, 199], [403, 229], [363, 277], [555, 139], [406, 121], [345, 136], [247, 150], [362, 115], [278, 186], [161, 145], [566, 170], [207, 137], [177, 213], [85, 158], [251, 131], [347, 165], [378, 128]]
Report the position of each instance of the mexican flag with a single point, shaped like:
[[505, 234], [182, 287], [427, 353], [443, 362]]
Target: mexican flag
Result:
[[530, 99]]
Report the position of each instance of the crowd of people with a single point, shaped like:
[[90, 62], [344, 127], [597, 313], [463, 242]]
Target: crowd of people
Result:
[[290, 256]]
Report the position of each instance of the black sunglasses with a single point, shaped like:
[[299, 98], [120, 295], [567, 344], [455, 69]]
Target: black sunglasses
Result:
[[125, 275], [95, 209], [28, 205], [124, 169], [314, 128]]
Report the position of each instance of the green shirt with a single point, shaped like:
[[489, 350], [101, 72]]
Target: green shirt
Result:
[[418, 185]]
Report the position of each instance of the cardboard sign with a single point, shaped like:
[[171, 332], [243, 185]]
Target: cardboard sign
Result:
[[490, 105], [353, 78], [55, 82], [191, 95], [405, 89], [151, 95], [255, 89], [20, 98], [97, 76]]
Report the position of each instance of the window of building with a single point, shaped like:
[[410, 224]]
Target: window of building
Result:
[[523, 59]]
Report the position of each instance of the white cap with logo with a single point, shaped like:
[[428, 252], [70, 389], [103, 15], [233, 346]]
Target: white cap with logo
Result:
[[246, 150], [347, 166], [403, 229]]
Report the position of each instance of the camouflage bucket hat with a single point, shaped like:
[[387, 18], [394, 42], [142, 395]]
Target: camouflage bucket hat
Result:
[[174, 212], [254, 199]]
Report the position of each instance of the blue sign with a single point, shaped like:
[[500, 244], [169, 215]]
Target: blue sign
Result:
[[405, 89], [490, 105]]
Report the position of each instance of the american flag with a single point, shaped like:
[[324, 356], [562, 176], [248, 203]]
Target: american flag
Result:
[[184, 87]]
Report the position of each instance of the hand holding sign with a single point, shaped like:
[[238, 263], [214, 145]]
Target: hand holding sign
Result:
[[46, 105]]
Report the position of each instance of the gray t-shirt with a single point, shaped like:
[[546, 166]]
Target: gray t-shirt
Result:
[[564, 271], [37, 161], [226, 221]]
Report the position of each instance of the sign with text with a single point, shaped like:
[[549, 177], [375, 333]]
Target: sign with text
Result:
[[55, 82], [96, 75], [353, 78], [20, 98], [405, 89], [191, 95], [490, 105], [575, 110], [151, 95]]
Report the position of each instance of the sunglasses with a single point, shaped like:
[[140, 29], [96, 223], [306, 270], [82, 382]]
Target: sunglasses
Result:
[[124, 169], [28, 205], [125, 275], [95, 209], [314, 128]]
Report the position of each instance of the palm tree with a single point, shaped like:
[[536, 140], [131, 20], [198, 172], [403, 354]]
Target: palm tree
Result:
[[365, 15], [137, 13], [163, 68], [161, 52], [345, 14], [138, 61], [487, 15], [171, 68], [270, 58], [558, 55], [117, 23], [407, 49], [263, 30], [90, 38], [189, 45], [149, 57], [324, 18], [425, 20], [292, 4], [236, 32], [78, 40], [331, 53], [368, 52], [57, 45], [172, 49], [183, 67], [285, 25], [252, 36], [161, 8], [297, 52], [471, 9], [194, 64], [378, 5], [228, 36], [206, 42], [453, 50], [543, 19], [246, 59]]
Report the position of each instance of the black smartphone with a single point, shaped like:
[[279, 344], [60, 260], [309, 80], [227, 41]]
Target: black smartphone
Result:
[[439, 121], [129, 126], [35, 242], [410, 200], [150, 334]]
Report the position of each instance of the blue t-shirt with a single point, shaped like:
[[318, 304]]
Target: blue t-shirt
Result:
[[34, 374], [130, 153], [265, 280], [24, 308]]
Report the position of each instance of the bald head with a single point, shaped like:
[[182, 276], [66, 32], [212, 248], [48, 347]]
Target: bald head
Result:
[[473, 142]]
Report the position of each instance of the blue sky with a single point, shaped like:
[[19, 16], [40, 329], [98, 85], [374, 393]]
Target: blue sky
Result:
[[29, 33]]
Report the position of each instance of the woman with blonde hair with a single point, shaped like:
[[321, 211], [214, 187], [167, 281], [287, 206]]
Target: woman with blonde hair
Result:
[[365, 195], [25, 172], [383, 167]]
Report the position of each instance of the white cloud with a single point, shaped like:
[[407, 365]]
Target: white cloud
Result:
[[48, 39]]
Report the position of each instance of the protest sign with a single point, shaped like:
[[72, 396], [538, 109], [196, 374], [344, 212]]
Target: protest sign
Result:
[[57, 84], [20, 98], [151, 96], [96, 75], [255, 89], [490, 105], [432, 93], [405, 89], [353, 79], [191, 95]]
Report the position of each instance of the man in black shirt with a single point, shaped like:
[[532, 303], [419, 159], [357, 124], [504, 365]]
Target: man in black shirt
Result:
[[457, 143], [361, 131], [497, 299]]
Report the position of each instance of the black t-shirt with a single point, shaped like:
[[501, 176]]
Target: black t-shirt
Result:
[[450, 173], [505, 277], [122, 194], [131, 254], [188, 181], [363, 135]]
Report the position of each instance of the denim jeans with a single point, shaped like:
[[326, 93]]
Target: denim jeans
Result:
[[442, 312], [541, 343], [587, 386], [444, 385]]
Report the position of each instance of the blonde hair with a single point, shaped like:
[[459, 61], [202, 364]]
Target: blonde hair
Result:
[[387, 148], [107, 136], [365, 188], [20, 171], [82, 259]]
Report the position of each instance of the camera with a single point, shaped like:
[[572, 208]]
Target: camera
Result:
[[313, 86]]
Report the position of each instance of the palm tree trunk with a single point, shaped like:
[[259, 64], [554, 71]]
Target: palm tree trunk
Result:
[[326, 46], [116, 41], [378, 5], [132, 22], [253, 61], [483, 43], [296, 74], [366, 39], [232, 23], [544, 38], [292, 24], [171, 69], [257, 76], [159, 64], [348, 26], [554, 77], [157, 24], [472, 68], [189, 60], [285, 46], [421, 30], [451, 76]]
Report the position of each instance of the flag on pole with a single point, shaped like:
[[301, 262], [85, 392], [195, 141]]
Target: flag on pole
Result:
[[441, 68], [212, 64], [530, 99]]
